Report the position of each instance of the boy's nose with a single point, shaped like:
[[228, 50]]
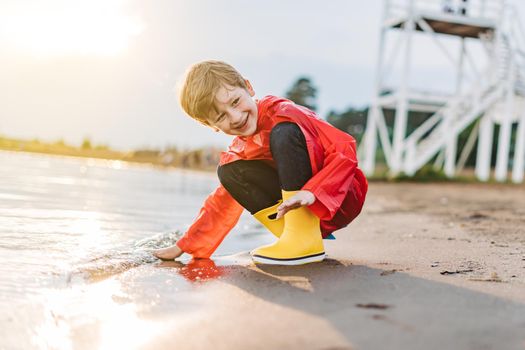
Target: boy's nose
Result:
[[236, 118]]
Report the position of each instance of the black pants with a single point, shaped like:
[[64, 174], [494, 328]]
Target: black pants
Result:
[[256, 185]]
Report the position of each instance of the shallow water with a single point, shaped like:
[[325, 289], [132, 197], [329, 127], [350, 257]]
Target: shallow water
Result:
[[68, 226]]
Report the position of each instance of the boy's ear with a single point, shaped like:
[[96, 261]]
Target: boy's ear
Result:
[[249, 87]]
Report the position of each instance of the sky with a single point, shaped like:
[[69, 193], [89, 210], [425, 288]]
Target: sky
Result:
[[106, 69]]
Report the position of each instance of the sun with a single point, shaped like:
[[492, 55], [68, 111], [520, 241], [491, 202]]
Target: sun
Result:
[[74, 27]]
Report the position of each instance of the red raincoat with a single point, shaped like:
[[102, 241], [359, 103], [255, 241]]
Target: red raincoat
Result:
[[338, 184]]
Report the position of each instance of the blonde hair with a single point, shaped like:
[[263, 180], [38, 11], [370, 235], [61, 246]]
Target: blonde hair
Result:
[[200, 84]]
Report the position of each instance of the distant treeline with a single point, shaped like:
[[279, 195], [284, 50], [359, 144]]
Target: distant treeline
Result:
[[205, 158], [352, 120]]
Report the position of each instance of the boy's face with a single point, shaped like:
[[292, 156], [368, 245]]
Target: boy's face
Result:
[[235, 111]]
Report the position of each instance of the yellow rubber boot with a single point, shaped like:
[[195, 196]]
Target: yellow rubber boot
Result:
[[300, 243], [267, 216]]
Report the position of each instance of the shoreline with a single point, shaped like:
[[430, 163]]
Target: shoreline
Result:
[[203, 158], [134, 163]]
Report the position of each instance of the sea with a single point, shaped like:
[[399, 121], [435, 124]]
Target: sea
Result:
[[72, 230]]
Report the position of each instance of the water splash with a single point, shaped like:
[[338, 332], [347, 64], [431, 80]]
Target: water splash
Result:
[[161, 240], [123, 258]]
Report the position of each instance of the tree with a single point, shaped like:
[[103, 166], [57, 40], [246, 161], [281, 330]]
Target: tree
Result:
[[86, 143], [352, 121], [304, 93]]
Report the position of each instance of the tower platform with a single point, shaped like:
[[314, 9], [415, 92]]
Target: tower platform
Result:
[[443, 23]]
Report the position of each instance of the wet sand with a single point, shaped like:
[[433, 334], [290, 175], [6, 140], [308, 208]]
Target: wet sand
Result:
[[426, 266]]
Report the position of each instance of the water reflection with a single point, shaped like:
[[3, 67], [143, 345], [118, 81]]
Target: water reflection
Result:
[[196, 270], [100, 316], [114, 314]]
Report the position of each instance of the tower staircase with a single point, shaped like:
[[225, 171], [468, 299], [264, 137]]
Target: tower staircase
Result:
[[495, 96]]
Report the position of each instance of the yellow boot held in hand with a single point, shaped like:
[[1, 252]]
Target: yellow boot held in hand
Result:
[[267, 216], [300, 243]]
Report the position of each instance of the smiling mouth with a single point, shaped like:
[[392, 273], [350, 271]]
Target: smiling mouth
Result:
[[240, 127]]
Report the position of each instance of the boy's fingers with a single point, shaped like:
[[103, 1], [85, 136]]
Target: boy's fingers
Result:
[[289, 205], [286, 207], [285, 204]]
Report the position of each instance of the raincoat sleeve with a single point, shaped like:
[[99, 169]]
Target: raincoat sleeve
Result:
[[332, 183], [219, 214]]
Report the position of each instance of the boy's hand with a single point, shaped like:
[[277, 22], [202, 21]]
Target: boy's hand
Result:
[[301, 198], [169, 253]]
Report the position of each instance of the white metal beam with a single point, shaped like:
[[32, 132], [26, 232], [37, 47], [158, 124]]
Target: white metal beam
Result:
[[486, 130], [469, 145], [370, 137], [519, 151], [440, 159], [401, 114], [502, 160], [370, 141], [450, 155]]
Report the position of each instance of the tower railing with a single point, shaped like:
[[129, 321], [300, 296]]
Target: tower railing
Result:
[[484, 9]]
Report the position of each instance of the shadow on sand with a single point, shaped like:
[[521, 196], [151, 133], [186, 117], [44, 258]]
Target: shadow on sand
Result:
[[369, 309]]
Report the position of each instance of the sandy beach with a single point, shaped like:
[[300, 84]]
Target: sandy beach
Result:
[[426, 266], [125, 125]]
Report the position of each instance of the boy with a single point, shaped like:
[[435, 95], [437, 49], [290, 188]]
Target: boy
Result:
[[293, 172]]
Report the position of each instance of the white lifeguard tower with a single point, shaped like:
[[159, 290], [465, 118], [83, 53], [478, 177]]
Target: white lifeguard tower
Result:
[[481, 97]]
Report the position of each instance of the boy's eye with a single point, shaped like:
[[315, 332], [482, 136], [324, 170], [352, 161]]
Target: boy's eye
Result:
[[235, 101], [221, 117]]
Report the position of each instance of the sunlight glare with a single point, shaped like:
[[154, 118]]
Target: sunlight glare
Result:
[[88, 316], [62, 28]]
